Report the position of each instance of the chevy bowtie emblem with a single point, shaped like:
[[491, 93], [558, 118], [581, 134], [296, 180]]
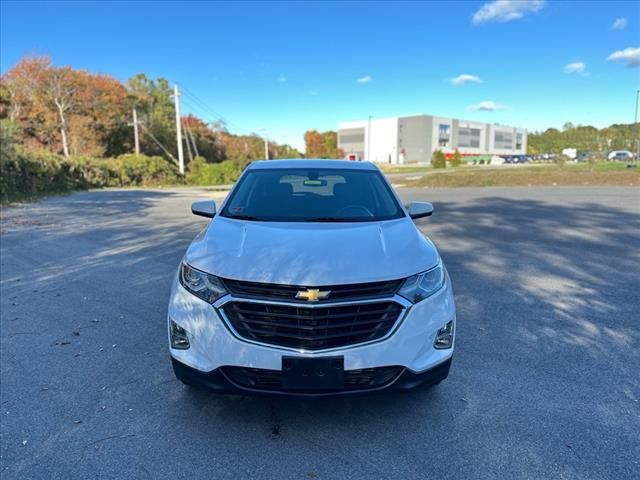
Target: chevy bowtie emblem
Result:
[[312, 295]]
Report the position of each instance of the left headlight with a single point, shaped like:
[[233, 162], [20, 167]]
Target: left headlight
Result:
[[423, 285], [207, 287]]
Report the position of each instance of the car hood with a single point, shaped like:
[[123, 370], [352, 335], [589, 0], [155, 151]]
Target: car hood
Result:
[[311, 254]]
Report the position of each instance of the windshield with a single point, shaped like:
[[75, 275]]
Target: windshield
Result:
[[312, 195]]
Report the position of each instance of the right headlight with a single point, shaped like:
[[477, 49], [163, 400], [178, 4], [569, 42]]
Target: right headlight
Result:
[[423, 285], [207, 287]]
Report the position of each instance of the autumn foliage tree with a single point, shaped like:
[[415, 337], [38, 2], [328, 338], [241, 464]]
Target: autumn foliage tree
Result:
[[67, 111], [76, 113], [322, 145]]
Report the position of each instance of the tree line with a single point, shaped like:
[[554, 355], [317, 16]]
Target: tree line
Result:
[[584, 138], [76, 113], [581, 137]]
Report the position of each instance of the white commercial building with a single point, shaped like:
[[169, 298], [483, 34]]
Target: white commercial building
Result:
[[413, 139]]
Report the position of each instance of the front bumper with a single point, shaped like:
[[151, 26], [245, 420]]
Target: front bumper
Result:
[[219, 381], [214, 346]]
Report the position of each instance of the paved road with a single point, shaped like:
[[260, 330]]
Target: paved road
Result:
[[545, 382]]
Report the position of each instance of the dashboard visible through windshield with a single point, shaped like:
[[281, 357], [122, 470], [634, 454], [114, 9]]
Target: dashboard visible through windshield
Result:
[[312, 195]]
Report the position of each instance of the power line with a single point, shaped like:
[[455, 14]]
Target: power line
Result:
[[203, 104], [209, 118], [158, 142], [200, 111], [190, 136], [205, 113], [184, 125], [214, 113]]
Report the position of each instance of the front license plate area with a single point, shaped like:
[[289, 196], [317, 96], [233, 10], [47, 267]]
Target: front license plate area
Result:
[[325, 373]]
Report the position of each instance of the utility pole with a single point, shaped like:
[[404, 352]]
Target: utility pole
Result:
[[266, 143], [176, 100], [136, 136]]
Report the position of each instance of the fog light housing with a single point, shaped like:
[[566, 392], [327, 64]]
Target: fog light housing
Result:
[[444, 337], [179, 338]]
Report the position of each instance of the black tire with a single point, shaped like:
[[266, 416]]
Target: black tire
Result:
[[186, 383]]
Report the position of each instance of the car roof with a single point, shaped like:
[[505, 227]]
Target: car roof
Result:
[[311, 163]]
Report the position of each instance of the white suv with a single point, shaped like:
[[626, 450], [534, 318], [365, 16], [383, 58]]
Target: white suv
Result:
[[311, 280]]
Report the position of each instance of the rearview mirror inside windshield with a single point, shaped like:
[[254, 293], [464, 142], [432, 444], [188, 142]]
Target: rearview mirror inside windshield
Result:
[[315, 183]]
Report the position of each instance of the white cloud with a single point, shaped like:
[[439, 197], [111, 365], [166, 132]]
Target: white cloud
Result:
[[630, 56], [576, 67], [487, 106], [365, 79], [502, 11], [283, 79], [619, 23], [465, 78]]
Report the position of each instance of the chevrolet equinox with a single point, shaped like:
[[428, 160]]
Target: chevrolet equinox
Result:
[[311, 280]]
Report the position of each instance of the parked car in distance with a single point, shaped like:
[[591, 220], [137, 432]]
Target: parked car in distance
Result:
[[516, 158], [584, 156], [620, 155], [312, 279]]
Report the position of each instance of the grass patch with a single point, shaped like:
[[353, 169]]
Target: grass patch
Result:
[[407, 169], [605, 174]]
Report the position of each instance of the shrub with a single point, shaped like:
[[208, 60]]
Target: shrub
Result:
[[438, 160], [97, 172], [456, 161], [140, 170], [30, 174], [26, 174], [203, 173]]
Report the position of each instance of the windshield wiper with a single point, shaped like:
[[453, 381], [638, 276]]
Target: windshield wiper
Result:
[[329, 219], [245, 217]]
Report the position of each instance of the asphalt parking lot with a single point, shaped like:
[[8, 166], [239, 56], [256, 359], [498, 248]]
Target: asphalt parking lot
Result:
[[545, 381]]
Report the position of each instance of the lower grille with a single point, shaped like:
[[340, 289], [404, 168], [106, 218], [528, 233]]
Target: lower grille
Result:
[[261, 379], [312, 328]]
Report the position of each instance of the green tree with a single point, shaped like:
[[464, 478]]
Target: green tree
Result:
[[456, 160], [584, 138], [156, 112], [438, 160]]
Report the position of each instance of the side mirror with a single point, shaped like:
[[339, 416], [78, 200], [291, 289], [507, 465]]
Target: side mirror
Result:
[[206, 208], [420, 210]]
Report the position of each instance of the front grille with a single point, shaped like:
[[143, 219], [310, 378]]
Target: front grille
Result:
[[312, 328], [261, 379], [353, 291]]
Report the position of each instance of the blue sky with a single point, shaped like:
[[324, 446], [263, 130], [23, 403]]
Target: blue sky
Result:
[[289, 67]]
